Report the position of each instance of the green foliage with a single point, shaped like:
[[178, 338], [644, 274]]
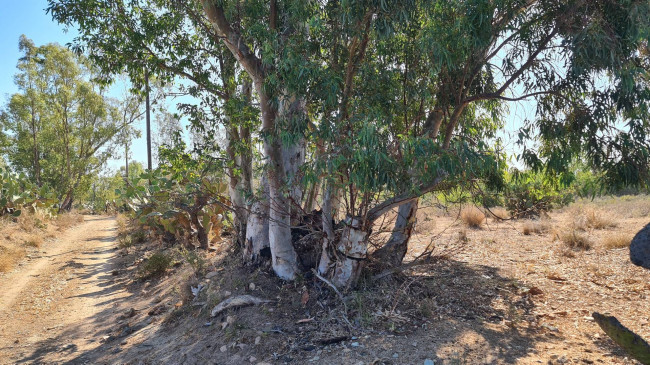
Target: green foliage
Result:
[[61, 126], [195, 260], [18, 193], [399, 93], [157, 264], [528, 194], [185, 204]]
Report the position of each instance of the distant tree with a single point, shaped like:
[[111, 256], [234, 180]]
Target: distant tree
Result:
[[62, 128]]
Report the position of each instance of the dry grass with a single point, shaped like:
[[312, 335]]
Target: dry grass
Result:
[[34, 240], [619, 240], [9, 256], [536, 227], [575, 240], [499, 213], [472, 217], [599, 220], [67, 220], [28, 232]]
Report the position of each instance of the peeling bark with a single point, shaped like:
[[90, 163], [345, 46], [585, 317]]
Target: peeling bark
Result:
[[257, 227], [352, 250]]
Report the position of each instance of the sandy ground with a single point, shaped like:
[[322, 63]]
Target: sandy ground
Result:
[[53, 305]]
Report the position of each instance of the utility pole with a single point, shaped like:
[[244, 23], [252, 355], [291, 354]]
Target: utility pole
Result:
[[148, 111], [126, 162]]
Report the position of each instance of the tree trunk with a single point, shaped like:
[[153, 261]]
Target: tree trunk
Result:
[[352, 249], [283, 256], [393, 252], [257, 243], [325, 260]]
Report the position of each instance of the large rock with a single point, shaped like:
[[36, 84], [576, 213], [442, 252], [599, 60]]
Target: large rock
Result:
[[640, 248]]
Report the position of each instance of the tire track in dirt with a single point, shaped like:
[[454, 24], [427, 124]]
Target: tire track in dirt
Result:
[[52, 308]]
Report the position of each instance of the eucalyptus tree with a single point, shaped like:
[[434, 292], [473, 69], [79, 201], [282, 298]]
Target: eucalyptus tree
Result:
[[381, 102], [62, 127]]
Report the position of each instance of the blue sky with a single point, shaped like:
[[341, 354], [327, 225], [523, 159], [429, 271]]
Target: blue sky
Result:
[[28, 17]]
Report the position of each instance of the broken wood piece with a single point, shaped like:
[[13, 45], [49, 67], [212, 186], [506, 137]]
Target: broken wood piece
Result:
[[636, 346], [237, 301]]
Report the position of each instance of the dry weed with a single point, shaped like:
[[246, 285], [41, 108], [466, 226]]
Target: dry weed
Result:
[[472, 217], [67, 220], [575, 240], [537, 227], [34, 240], [620, 240], [499, 213], [598, 220], [9, 256]]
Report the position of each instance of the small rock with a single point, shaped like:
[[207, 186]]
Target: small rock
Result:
[[429, 362], [17, 341], [354, 344], [395, 355], [211, 274], [535, 291], [223, 348], [227, 293], [315, 358], [550, 328], [252, 359], [588, 318], [258, 339], [207, 324], [230, 319], [251, 286]]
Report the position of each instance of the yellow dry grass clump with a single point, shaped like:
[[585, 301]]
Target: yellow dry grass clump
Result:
[[619, 240], [536, 227], [472, 217], [575, 240], [20, 234], [499, 213]]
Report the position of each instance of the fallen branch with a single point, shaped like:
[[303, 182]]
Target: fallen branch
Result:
[[637, 347], [329, 283], [238, 301]]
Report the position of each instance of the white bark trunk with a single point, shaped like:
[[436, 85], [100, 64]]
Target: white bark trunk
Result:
[[257, 225], [352, 248]]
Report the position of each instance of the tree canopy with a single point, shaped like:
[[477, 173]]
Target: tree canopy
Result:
[[374, 103], [61, 127]]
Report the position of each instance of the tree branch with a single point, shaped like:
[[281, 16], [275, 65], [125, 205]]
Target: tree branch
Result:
[[382, 208], [233, 40]]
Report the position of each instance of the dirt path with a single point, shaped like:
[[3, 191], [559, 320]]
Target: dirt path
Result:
[[53, 308]]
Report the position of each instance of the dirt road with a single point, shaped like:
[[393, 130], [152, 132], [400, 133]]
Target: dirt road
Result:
[[54, 308]]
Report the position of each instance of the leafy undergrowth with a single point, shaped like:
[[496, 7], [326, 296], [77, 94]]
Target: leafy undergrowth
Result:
[[23, 235]]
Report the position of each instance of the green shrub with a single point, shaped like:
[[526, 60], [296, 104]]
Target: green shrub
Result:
[[531, 195], [156, 265]]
